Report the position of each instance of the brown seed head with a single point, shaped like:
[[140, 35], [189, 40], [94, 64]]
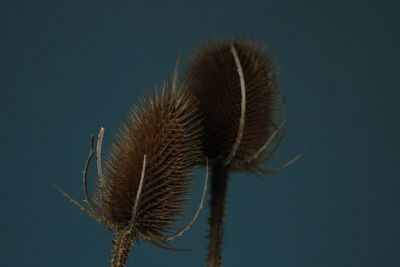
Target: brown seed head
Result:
[[213, 78], [168, 131]]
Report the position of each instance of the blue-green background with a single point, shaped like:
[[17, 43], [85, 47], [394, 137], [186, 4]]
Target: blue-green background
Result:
[[69, 67]]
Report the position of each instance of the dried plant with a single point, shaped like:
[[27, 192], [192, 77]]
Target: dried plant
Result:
[[227, 113], [147, 177], [236, 84]]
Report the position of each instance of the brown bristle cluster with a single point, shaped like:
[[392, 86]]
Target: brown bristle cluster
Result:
[[167, 131], [142, 191], [213, 78]]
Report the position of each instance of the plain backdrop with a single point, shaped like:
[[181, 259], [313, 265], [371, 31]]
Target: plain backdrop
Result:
[[69, 67]]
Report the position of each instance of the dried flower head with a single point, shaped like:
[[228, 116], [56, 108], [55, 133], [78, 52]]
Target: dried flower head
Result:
[[168, 132], [147, 177], [236, 84]]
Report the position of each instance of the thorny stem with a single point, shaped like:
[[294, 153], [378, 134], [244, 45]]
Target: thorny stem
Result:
[[122, 245], [219, 180], [219, 183]]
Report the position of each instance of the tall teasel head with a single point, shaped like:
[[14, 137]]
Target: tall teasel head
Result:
[[236, 83], [147, 176]]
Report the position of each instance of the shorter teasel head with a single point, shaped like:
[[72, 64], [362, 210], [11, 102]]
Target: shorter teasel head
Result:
[[236, 84], [142, 191], [167, 131]]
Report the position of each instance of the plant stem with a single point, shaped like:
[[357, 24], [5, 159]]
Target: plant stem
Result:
[[122, 245], [219, 183]]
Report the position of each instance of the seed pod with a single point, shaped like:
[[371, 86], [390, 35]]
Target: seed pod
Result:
[[213, 78], [147, 177]]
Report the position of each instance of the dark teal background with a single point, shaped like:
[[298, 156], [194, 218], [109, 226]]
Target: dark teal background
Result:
[[69, 67]]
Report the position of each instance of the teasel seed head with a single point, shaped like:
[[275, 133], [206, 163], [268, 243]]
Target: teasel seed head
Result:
[[167, 131], [142, 191], [236, 84], [235, 81]]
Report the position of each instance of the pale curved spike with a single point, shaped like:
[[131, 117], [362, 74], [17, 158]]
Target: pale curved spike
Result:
[[268, 142], [85, 170], [89, 212], [98, 155], [163, 90], [283, 166], [271, 152], [155, 243], [194, 218], [175, 77], [243, 106], [138, 193]]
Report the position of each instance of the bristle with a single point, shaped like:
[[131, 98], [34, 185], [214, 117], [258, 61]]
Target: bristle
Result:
[[167, 131], [213, 78]]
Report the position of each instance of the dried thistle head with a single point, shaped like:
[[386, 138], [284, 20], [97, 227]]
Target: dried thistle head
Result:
[[147, 177], [167, 131], [236, 84]]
